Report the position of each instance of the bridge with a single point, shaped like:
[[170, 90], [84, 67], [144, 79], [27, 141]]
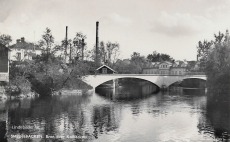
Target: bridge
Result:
[[158, 80]]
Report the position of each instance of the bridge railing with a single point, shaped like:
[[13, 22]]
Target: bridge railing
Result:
[[195, 73]]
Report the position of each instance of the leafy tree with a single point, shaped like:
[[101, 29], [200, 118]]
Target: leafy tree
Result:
[[5, 39], [64, 44], [107, 53], [219, 37], [218, 66], [157, 57], [74, 48], [113, 50], [47, 42], [203, 49], [103, 53], [79, 45], [138, 62]]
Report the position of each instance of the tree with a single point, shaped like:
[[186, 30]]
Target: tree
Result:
[[103, 53], [203, 52], [217, 63], [76, 47], [65, 43], [217, 68], [107, 53], [138, 62], [157, 57], [5, 39], [79, 45], [47, 42], [219, 38], [126, 67], [113, 50]]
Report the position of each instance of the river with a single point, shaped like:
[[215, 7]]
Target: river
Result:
[[132, 112]]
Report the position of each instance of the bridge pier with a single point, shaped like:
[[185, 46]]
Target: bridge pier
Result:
[[114, 86]]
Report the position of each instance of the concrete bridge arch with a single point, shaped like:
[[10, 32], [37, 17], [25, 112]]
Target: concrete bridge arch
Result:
[[158, 80]]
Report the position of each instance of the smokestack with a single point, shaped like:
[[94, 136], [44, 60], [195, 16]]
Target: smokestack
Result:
[[18, 41], [22, 39], [97, 42], [66, 35], [66, 38], [83, 44]]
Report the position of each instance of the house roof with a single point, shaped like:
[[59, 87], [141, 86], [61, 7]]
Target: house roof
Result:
[[155, 64], [25, 45], [166, 62], [178, 67], [105, 66], [151, 68]]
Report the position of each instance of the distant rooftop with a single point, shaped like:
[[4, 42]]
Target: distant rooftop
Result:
[[22, 44]]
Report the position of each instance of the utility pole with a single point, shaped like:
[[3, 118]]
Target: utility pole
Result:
[[97, 42]]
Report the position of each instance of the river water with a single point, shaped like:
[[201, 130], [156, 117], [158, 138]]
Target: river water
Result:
[[133, 112]]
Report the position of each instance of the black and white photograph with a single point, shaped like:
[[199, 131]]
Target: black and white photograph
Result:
[[114, 71]]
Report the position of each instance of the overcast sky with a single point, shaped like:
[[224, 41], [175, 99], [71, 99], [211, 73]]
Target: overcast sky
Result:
[[173, 27]]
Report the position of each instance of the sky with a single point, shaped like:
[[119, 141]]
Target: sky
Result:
[[171, 27]]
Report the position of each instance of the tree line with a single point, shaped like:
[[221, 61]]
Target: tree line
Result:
[[67, 62], [214, 57]]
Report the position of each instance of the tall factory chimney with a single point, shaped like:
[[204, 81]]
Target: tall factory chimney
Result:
[[97, 43], [83, 44], [66, 33], [66, 39]]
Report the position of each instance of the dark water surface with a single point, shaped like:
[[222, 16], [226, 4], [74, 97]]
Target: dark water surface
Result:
[[129, 113]]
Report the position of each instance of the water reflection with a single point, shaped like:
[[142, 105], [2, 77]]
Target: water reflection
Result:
[[105, 120], [3, 118], [175, 115], [216, 121], [127, 91], [53, 116]]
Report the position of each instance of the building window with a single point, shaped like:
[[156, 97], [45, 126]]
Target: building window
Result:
[[175, 72], [18, 56], [179, 72], [104, 70]]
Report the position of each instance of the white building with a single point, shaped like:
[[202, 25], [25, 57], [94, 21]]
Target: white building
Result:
[[167, 68], [23, 50]]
